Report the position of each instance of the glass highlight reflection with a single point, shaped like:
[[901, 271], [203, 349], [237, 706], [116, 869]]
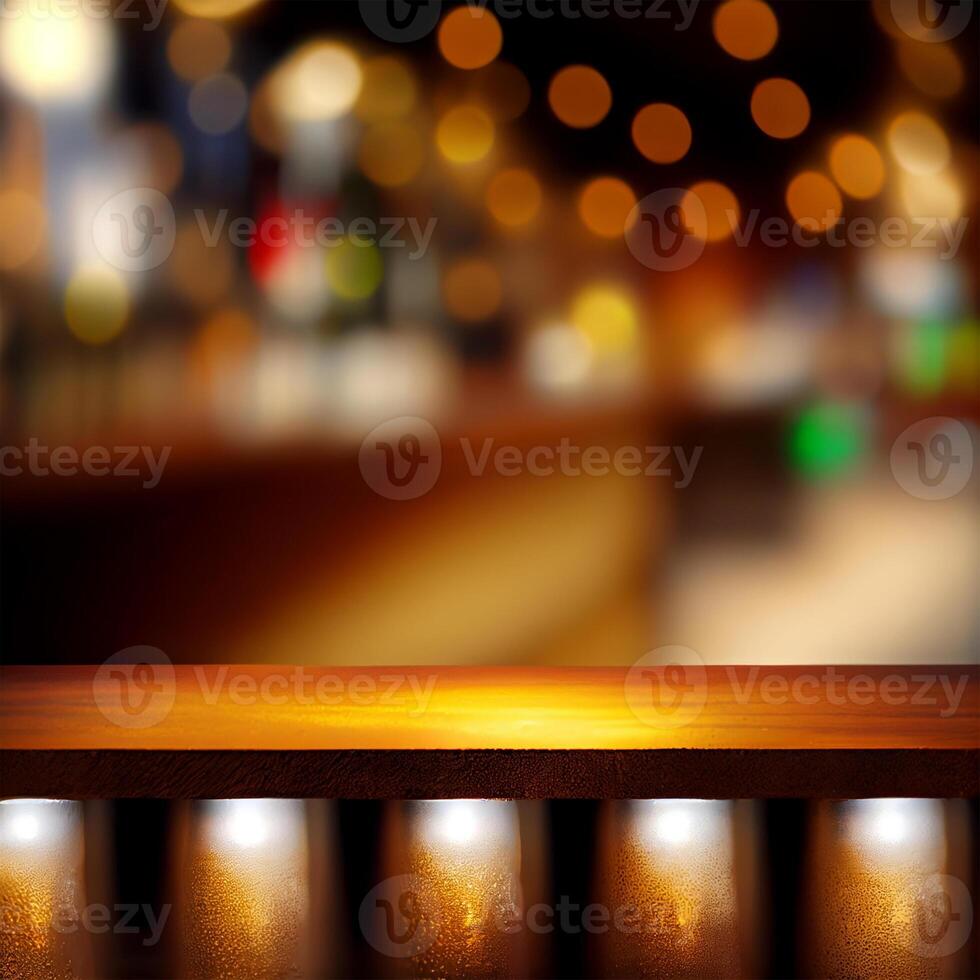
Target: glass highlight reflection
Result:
[[42, 891]]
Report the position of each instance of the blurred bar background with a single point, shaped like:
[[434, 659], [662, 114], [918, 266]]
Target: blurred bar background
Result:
[[510, 153]]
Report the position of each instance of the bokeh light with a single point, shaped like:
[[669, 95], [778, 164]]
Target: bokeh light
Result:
[[828, 439], [198, 48], [388, 91], [910, 282], [354, 269], [225, 341], [780, 108], [391, 153], [198, 272], [932, 196], [22, 228], [557, 357], [814, 201], [470, 37], [156, 153], [97, 304], [605, 205], [216, 9], [579, 96], [56, 58], [746, 29], [857, 166], [217, 104], [718, 214], [661, 133], [472, 290], [514, 197], [918, 143], [934, 69], [465, 134], [607, 317], [296, 285], [320, 81]]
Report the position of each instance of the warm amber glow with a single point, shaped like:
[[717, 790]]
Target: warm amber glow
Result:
[[319, 81], [244, 905], [673, 863], [464, 857], [918, 143], [857, 166], [571, 707], [605, 206], [814, 201], [388, 90], [933, 68], [470, 37], [780, 108], [225, 341], [718, 215], [42, 891], [874, 909], [932, 196], [217, 9], [472, 290], [465, 134], [198, 48], [514, 197], [22, 228], [97, 304], [579, 96], [391, 153], [199, 273], [606, 317], [746, 29], [662, 133]]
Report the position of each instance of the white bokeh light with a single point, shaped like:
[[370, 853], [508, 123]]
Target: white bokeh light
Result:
[[56, 59]]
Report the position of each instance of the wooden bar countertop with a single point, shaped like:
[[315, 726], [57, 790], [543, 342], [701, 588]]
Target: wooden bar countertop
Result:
[[726, 732]]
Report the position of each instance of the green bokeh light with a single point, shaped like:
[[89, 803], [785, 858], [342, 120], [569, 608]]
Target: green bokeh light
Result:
[[829, 439]]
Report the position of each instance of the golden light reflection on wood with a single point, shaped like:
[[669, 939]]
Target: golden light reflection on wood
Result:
[[282, 707]]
